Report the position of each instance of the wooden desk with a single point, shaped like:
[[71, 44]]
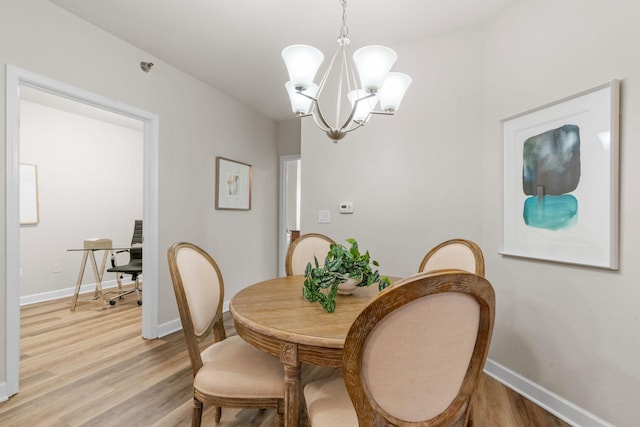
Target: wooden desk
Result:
[[274, 317], [89, 253]]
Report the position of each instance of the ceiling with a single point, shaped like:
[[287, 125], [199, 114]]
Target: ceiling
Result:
[[235, 45]]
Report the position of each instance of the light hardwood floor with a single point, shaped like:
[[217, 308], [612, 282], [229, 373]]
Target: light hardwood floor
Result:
[[92, 368]]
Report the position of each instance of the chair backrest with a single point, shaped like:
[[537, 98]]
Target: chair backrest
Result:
[[302, 251], [199, 290], [459, 254], [415, 354], [135, 253]]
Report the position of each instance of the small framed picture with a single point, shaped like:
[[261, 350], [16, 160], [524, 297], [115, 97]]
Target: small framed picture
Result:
[[28, 194], [233, 184]]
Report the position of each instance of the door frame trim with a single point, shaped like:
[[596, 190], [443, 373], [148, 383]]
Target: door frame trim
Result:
[[282, 229], [14, 78]]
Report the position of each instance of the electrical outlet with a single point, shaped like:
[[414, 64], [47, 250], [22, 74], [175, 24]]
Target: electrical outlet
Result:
[[55, 268]]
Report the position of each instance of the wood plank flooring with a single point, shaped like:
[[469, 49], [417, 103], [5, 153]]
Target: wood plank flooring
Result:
[[91, 367]]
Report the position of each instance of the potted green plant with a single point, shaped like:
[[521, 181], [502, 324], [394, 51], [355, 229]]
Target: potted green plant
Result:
[[321, 283]]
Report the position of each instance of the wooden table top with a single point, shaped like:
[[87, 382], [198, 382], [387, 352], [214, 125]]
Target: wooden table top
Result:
[[275, 317], [276, 309]]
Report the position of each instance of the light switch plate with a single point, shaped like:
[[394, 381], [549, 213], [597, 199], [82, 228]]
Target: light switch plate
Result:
[[324, 216]]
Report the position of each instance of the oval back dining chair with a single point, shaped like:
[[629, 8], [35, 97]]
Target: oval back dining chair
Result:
[[413, 357], [460, 254], [302, 251], [229, 372]]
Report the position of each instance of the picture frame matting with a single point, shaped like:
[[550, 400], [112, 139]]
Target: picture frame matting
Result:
[[561, 178]]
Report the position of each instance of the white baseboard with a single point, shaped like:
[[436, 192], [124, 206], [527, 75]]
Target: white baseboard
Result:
[[65, 293], [3, 392], [175, 325], [558, 406], [169, 328]]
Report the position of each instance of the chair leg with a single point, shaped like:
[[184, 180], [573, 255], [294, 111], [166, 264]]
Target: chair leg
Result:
[[280, 410], [136, 288], [119, 282], [469, 419], [197, 413], [218, 414]]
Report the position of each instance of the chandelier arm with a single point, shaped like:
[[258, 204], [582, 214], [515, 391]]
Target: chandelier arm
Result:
[[362, 123], [322, 124], [357, 125], [327, 72], [318, 117], [382, 113], [353, 113], [339, 97], [352, 80], [346, 70]]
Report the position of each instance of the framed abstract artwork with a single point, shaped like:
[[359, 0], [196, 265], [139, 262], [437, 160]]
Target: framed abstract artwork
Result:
[[233, 184], [561, 180]]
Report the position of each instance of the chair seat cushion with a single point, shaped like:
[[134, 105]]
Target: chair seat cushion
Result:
[[233, 368], [328, 403], [126, 268]]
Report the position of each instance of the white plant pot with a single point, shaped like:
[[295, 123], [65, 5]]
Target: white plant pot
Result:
[[348, 287]]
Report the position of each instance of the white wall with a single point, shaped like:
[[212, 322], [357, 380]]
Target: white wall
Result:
[[197, 123], [289, 137], [89, 185], [573, 330], [414, 178], [434, 171]]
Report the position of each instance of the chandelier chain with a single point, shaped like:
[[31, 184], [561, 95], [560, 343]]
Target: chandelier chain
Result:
[[344, 30]]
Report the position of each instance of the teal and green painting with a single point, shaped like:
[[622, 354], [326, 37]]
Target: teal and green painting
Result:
[[550, 171]]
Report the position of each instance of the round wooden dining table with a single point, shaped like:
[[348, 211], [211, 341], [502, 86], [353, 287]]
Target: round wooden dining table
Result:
[[275, 317]]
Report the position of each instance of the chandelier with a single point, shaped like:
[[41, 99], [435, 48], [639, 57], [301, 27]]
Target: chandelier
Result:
[[380, 90]]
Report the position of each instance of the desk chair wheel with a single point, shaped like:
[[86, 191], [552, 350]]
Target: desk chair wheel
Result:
[[112, 302]]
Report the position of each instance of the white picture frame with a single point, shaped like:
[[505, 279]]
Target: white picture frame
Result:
[[561, 180], [29, 210]]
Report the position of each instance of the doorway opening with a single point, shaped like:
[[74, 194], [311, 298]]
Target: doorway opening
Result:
[[15, 79], [88, 183], [290, 191]]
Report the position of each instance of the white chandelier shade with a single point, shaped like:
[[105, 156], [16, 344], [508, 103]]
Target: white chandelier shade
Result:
[[393, 90], [375, 90], [373, 63], [302, 63], [301, 99]]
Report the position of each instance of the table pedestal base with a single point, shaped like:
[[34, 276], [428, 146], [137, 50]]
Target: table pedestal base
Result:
[[292, 383]]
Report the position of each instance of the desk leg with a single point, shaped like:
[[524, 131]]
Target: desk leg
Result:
[[98, 277], [74, 301], [292, 382]]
